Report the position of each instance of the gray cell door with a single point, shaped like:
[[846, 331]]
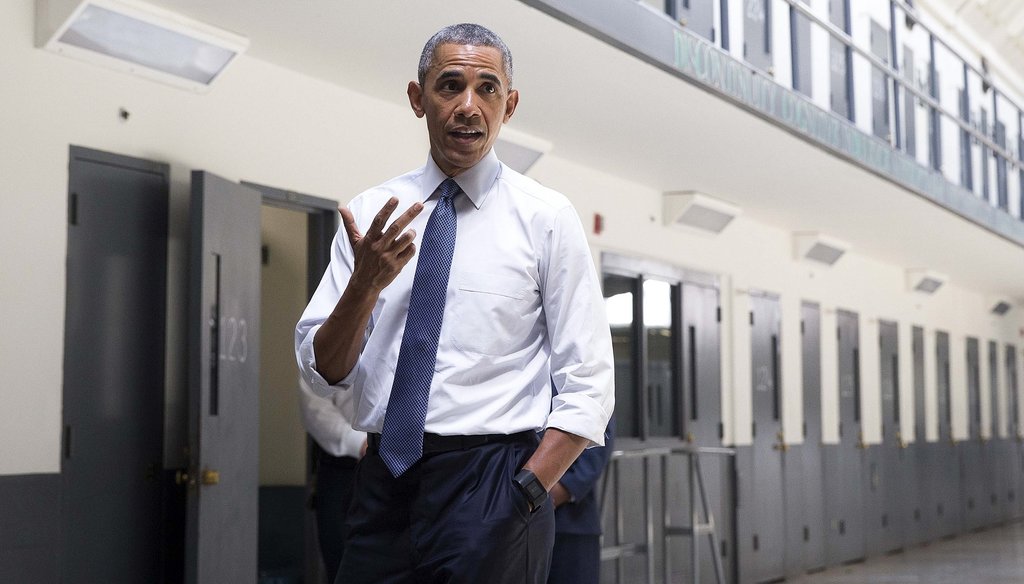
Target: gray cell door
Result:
[[113, 400], [1014, 449], [800, 31], [880, 83], [1002, 189], [909, 104], [757, 33], [224, 301], [844, 462], [917, 513], [972, 505], [945, 466], [703, 409], [763, 555], [887, 473], [812, 487], [840, 61], [696, 15], [993, 483]]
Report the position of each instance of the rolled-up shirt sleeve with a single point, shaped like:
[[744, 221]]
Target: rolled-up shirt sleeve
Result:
[[320, 306], [582, 364]]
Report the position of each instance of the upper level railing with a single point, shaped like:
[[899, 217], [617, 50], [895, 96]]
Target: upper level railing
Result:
[[887, 73]]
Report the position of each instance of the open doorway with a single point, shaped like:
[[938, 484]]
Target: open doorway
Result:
[[296, 234]]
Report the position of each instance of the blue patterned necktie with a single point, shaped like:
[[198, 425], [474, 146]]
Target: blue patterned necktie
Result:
[[401, 438]]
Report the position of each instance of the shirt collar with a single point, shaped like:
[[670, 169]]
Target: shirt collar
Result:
[[475, 182]]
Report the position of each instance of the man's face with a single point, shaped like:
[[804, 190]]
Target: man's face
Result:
[[465, 98]]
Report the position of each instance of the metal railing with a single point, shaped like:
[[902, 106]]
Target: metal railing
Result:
[[697, 504], [967, 115]]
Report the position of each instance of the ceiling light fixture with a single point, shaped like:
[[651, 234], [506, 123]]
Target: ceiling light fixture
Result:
[[924, 281], [818, 248], [138, 38], [697, 210]]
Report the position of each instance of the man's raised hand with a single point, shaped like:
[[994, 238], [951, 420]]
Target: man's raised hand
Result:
[[381, 254]]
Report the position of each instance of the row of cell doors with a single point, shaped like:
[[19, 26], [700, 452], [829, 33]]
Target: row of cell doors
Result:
[[808, 506], [131, 509]]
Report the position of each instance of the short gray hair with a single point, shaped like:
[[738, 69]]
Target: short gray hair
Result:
[[464, 34]]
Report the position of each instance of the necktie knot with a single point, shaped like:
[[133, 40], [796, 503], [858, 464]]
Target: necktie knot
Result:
[[449, 188]]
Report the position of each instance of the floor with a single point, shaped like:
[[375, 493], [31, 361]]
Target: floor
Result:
[[994, 556]]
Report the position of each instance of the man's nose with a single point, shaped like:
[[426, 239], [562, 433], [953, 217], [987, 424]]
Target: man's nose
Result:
[[467, 104]]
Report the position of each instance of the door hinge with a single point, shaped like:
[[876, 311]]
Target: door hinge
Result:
[[751, 318], [67, 442], [73, 209], [718, 314]]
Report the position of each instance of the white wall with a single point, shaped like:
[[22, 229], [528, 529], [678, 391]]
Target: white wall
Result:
[[268, 125]]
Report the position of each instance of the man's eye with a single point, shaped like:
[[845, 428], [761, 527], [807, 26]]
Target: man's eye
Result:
[[489, 88], [449, 86]]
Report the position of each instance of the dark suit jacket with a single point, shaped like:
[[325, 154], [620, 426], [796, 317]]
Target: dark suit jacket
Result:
[[583, 515]]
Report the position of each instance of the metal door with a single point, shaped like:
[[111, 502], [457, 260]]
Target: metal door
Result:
[[945, 467], [812, 528], [909, 103], [1002, 189], [843, 469], [889, 484], [993, 483], [696, 15], [840, 59], [757, 34], [880, 83], [917, 514], [972, 504], [224, 281], [113, 401], [800, 29], [766, 548], [703, 408], [1013, 458]]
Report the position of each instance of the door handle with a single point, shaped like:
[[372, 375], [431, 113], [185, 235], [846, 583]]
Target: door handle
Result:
[[182, 477], [781, 444], [210, 477]]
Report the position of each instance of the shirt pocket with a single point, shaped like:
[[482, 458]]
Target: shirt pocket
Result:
[[493, 315]]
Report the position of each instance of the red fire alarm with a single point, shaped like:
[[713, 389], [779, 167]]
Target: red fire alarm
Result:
[[598, 223]]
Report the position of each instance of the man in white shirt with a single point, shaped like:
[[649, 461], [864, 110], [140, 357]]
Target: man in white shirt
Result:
[[338, 448], [459, 350]]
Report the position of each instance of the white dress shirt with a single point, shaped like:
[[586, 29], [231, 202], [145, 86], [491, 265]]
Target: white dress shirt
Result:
[[523, 310], [329, 421]]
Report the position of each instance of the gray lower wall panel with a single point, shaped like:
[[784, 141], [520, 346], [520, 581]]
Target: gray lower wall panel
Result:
[[29, 528]]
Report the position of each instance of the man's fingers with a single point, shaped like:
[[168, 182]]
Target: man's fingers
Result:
[[403, 221], [406, 254], [381, 219], [350, 225]]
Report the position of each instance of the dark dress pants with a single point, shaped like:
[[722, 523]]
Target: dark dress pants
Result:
[[454, 518], [335, 478], [576, 559]]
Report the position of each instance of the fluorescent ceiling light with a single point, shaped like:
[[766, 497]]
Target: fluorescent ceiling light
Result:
[[819, 248], [519, 151], [697, 210], [1001, 306], [925, 281], [138, 38]]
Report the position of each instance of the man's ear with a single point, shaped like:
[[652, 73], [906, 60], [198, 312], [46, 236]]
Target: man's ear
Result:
[[415, 93], [510, 104]]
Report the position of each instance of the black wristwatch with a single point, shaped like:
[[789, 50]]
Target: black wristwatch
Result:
[[530, 485]]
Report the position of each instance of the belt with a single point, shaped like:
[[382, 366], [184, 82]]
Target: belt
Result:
[[436, 443]]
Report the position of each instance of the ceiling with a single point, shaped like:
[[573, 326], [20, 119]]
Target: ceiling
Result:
[[602, 108]]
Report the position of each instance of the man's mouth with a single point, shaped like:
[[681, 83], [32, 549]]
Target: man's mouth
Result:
[[465, 135]]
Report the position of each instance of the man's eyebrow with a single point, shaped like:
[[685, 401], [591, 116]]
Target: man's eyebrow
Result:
[[449, 74], [491, 77]]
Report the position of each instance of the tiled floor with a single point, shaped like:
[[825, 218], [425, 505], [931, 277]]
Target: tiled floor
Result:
[[994, 556]]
